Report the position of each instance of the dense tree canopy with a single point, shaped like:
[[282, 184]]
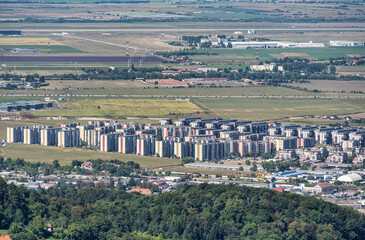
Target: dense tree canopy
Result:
[[193, 212]]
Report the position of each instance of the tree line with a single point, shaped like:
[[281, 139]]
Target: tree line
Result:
[[211, 212]]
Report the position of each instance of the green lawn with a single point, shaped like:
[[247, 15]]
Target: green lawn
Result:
[[275, 109], [36, 153]]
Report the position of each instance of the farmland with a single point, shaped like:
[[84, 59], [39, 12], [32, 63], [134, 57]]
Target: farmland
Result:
[[34, 153], [276, 109], [122, 108], [335, 86]]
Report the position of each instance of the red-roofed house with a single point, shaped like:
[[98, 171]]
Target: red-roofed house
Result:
[[144, 191], [5, 237]]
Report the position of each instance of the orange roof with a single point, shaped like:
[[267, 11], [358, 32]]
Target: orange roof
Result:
[[5, 237], [141, 190], [324, 184]]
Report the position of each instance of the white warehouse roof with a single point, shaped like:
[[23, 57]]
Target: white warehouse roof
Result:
[[350, 178]]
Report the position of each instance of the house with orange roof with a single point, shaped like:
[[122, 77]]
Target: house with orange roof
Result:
[[5, 237], [144, 191]]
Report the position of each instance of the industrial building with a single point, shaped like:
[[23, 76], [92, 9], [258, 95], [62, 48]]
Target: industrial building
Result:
[[24, 105], [346, 43], [274, 44]]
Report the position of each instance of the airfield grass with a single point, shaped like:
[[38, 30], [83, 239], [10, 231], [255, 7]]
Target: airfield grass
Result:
[[41, 48], [276, 109], [36, 153], [122, 108], [321, 122], [13, 98], [138, 88], [28, 41], [95, 84], [271, 53]]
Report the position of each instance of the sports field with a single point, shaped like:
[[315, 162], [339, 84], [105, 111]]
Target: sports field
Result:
[[122, 108], [36, 153], [276, 109]]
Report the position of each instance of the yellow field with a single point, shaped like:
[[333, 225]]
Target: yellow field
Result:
[[27, 41], [122, 108]]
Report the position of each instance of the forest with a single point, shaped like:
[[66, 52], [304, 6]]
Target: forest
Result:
[[192, 212]]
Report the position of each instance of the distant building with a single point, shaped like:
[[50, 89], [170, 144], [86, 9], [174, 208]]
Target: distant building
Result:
[[346, 43], [23, 105], [265, 67], [24, 50], [350, 178], [324, 188], [140, 190], [251, 31], [87, 165]]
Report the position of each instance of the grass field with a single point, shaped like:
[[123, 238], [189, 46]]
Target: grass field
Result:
[[271, 53], [330, 85], [276, 109], [28, 41], [41, 48], [95, 84], [122, 108], [350, 68], [36, 153], [137, 88]]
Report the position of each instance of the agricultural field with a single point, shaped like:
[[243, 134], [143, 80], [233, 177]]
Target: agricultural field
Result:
[[351, 70], [115, 108], [277, 109], [36, 153], [332, 86]]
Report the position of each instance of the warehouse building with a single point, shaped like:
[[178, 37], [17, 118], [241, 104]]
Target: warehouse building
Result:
[[23, 105], [346, 43]]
